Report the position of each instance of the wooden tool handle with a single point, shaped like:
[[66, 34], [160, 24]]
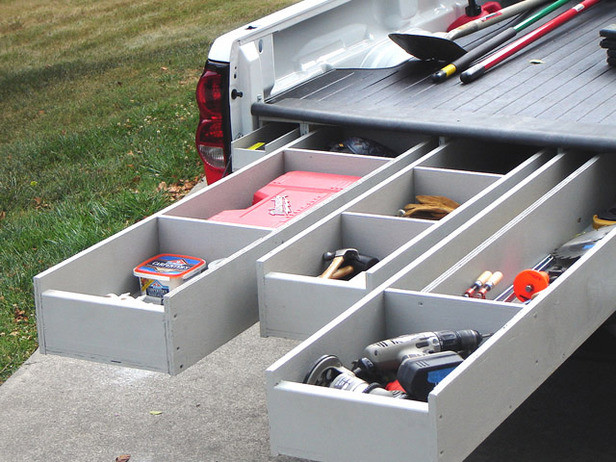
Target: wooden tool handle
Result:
[[343, 272], [332, 268]]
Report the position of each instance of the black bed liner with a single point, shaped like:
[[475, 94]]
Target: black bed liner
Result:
[[567, 100]]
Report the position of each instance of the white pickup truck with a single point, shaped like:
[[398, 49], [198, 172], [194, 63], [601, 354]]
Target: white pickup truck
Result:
[[332, 62], [319, 89]]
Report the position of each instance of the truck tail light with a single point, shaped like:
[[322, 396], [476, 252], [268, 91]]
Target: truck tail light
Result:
[[213, 133]]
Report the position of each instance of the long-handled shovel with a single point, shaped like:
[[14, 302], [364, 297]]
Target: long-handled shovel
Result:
[[442, 47], [476, 71], [464, 61]]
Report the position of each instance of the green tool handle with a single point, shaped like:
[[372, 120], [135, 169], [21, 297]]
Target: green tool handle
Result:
[[465, 60], [539, 14]]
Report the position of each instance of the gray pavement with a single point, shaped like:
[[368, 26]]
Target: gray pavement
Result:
[[62, 409]]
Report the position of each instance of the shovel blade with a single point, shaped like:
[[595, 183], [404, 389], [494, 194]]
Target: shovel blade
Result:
[[428, 47]]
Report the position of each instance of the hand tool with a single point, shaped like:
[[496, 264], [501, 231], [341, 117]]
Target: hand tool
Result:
[[328, 371], [529, 282], [338, 258], [478, 284], [496, 277], [387, 355], [479, 69], [465, 60], [420, 374], [361, 263], [441, 46]]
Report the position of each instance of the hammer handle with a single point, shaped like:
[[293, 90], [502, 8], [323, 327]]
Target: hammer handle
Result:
[[343, 272], [332, 268]]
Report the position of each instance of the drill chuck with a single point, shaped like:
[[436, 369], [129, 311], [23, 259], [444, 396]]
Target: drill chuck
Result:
[[466, 340]]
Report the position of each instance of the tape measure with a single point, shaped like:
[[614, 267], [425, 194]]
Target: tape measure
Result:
[[530, 282]]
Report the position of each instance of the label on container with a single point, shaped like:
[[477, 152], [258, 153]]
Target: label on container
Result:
[[153, 288], [169, 265]]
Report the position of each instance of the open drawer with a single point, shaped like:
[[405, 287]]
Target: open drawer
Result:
[[369, 223], [564, 212], [275, 135], [380, 143], [76, 317], [262, 141], [530, 341]]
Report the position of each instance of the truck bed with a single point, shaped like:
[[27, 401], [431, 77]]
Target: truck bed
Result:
[[568, 99]]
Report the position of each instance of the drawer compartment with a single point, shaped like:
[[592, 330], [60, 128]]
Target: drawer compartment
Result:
[[342, 139], [563, 213], [76, 318], [327, 424], [369, 223], [530, 340], [529, 343], [262, 141]]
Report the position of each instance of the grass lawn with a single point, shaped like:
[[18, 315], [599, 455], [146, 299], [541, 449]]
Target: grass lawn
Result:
[[96, 111]]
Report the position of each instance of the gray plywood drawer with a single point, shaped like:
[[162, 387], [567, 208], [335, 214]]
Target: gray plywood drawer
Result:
[[530, 341], [325, 138], [369, 224], [262, 141], [76, 318]]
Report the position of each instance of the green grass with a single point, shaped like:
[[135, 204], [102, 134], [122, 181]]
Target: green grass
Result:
[[96, 109]]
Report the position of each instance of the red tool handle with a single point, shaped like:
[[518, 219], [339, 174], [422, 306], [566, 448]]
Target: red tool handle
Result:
[[482, 67]]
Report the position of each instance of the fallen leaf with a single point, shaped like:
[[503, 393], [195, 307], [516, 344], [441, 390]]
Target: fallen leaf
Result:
[[123, 458], [2, 215], [156, 412], [19, 315]]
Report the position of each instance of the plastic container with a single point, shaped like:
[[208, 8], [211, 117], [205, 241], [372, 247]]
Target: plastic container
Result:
[[161, 274], [286, 197]]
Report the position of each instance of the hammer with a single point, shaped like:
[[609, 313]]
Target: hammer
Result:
[[362, 263], [337, 258]]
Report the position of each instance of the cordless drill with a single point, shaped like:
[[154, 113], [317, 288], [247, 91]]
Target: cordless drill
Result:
[[387, 355]]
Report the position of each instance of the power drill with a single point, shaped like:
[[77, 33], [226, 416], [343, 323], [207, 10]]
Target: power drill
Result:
[[387, 355]]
